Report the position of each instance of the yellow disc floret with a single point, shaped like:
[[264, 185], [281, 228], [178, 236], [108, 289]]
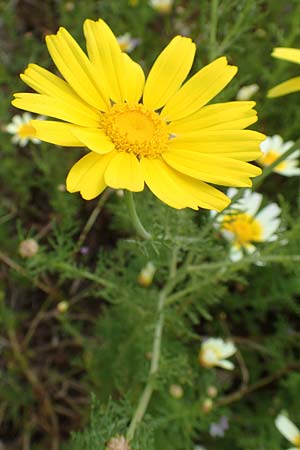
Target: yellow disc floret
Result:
[[26, 130], [134, 129], [270, 157], [244, 227], [296, 440]]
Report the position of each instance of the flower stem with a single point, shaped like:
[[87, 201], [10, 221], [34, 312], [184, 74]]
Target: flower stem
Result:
[[213, 29], [134, 217], [156, 349], [148, 390]]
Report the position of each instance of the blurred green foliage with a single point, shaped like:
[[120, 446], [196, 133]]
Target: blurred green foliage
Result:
[[54, 354]]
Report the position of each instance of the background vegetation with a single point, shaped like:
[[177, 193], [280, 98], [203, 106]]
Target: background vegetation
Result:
[[75, 321]]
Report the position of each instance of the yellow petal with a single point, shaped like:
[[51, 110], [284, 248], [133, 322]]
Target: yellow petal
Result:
[[220, 116], [105, 53], [77, 70], [58, 133], [287, 87], [124, 172], [87, 175], [213, 169], [178, 190], [60, 108], [168, 72], [200, 89], [289, 54], [95, 139], [221, 142], [135, 80]]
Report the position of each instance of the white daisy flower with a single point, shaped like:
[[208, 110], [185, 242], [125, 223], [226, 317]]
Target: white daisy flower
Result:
[[247, 92], [127, 42], [22, 129], [215, 351], [273, 147], [289, 430], [243, 225], [162, 6]]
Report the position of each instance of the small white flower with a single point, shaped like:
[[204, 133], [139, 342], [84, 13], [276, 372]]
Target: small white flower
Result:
[[162, 6], [22, 129], [127, 43], [215, 351], [247, 92], [273, 147], [289, 430], [243, 225]]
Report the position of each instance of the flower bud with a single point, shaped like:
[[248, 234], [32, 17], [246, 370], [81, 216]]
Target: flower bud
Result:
[[176, 391], [63, 306], [212, 391], [117, 443], [146, 275], [28, 248], [207, 405]]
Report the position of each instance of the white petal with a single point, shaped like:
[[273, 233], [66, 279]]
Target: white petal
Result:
[[268, 218], [289, 172], [226, 364], [235, 254], [287, 428], [277, 142], [12, 128], [287, 145], [250, 202], [266, 145]]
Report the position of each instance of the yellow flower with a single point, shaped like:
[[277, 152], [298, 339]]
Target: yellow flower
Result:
[[169, 140], [292, 85]]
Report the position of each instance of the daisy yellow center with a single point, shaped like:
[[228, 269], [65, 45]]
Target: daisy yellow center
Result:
[[296, 440], [270, 157], [134, 129], [26, 130], [244, 227], [210, 356]]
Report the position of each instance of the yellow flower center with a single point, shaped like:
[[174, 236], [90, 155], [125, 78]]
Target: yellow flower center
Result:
[[209, 357], [26, 130], [134, 129], [268, 158], [244, 227], [296, 441]]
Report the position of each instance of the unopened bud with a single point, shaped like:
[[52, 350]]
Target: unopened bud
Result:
[[212, 391], [207, 405], [176, 391], [146, 275], [117, 443], [69, 6], [28, 248], [63, 306]]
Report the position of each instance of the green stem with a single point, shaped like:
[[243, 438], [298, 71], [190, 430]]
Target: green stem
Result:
[[156, 348], [269, 169], [213, 29], [134, 217], [149, 388]]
